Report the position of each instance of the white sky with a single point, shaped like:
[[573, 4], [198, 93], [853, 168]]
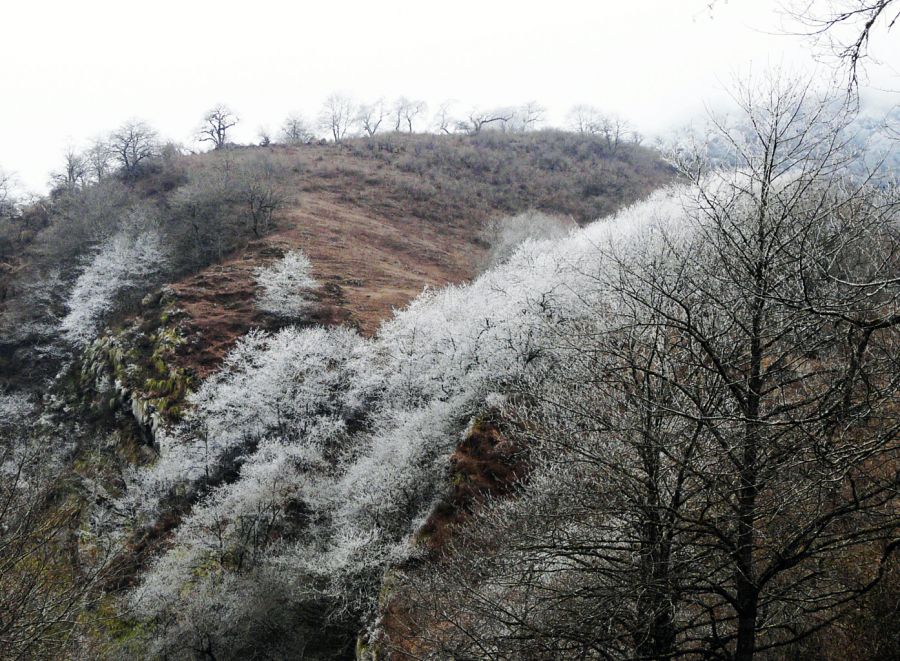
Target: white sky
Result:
[[71, 70]]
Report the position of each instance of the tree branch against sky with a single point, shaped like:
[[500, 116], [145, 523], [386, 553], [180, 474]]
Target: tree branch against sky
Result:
[[847, 29]]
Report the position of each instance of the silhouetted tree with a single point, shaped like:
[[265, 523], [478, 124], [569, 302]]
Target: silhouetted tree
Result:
[[215, 125], [132, 144]]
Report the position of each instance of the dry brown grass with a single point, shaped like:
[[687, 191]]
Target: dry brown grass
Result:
[[382, 218]]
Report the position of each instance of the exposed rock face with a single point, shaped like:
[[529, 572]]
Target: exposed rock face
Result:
[[134, 369]]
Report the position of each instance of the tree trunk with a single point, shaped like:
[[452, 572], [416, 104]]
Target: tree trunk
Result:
[[747, 590]]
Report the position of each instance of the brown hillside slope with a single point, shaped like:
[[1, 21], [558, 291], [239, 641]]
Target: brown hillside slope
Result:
[[367, 265], [382, 218]]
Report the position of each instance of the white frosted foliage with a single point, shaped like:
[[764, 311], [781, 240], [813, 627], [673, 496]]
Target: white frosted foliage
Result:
[[121, 262], [285, 285], [356, 433]]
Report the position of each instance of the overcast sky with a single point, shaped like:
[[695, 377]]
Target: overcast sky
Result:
[[70, 71]]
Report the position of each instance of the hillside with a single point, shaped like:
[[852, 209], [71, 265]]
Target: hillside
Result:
[[483, 332], [122, 298], [379, 218], [402, 398]]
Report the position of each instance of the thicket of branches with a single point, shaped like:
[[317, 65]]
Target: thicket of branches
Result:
[[716, 451], [49, 575]]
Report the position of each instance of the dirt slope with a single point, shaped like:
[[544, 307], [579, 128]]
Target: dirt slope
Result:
[[368, 264]]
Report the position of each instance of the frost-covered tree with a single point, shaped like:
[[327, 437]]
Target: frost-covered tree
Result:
[[796, 328], [276, 387], [708, 445], [122, 262], [705, 383], [48, 578], [408, 396], [285, 286], [845, 28]]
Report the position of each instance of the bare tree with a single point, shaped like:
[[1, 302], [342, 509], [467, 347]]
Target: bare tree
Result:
[[215, 125], [788, 301], [588, 561], [412, 110], [857, 19], [590, 120], [714, 458], [261, 194], [585, 119], [397, 112], [405, 112], [523, 118], [10, 231], [74, 171], [529, 116], [443, 119], [98, 159], [132, 144], [7, 201], [615, 131], [296, 131], [209, 212], [337, 116], [371, 115], [479, 119]]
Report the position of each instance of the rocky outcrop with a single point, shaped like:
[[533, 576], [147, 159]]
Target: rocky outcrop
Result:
[[133, 370]]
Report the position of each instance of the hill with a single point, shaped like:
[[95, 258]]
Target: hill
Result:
[[668, 433], [123, 300], [380, 219]]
